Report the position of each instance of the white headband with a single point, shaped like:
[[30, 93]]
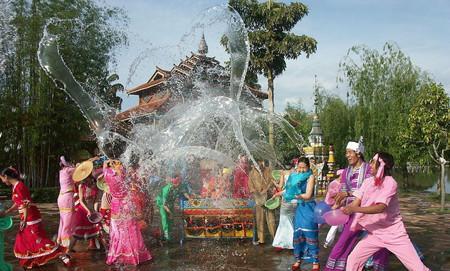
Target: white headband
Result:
[[355, 146]]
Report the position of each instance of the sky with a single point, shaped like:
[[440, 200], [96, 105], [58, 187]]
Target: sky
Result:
[[162, 32]]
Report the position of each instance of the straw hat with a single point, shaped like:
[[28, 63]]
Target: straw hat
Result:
[[276, 174], [226, 170], [273, 203], [101, 184], [82, 171]]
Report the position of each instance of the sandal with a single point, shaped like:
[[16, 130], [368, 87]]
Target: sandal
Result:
[[66, 260], [297, 266]]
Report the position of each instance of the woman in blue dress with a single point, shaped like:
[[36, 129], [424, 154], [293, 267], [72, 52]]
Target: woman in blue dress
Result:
[[306, 230]]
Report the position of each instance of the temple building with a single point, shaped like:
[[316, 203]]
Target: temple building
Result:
[[322, 162], [191, 78], [316, 149]]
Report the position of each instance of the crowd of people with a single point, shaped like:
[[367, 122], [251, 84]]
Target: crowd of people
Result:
[[113, 221], [113, 216]]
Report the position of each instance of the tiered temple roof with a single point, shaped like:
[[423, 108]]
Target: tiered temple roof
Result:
[[154, 94]]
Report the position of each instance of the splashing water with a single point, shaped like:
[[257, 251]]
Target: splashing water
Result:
[[206, 120], [7, 33]]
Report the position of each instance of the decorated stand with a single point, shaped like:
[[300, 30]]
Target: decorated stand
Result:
[[218, 218]]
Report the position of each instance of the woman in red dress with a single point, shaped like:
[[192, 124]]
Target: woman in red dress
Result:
[[32, 246], [85, 196]]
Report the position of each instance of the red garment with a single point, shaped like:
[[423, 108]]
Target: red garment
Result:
[[32, 246], [240, 189], [138, 199], [83, 229], [208, 187], [106, 219], [137, 195]]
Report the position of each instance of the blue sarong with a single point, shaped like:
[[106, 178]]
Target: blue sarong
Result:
[[306, 230]]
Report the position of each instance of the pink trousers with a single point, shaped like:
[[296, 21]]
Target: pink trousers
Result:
[[398, 243]]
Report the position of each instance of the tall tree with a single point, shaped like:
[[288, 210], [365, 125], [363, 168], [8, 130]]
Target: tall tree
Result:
[[269, 27], [384, 86], [42, 122], [429, 127], [337, 122]]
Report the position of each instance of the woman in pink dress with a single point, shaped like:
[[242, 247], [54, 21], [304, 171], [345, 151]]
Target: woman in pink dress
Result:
[[126, 245], [65, 203], [32, 247]]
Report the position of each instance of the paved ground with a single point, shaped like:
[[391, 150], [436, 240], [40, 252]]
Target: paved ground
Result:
[[430, 230]]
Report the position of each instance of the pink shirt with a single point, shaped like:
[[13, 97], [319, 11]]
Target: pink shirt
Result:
[[65, 179], [386, 193], [116, 183]]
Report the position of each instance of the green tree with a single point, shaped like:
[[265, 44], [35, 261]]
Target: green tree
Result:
[[384, 86], [269, 27], [337, 122], [301, 120], [41, 121], [429, 127]]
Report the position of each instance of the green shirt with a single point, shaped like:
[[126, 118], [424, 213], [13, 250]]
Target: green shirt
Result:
[[168, 195]]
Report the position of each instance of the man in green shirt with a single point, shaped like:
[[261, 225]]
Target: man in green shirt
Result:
[[166, 202]]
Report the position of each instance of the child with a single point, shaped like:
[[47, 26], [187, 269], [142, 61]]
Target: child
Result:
[[377, 210]]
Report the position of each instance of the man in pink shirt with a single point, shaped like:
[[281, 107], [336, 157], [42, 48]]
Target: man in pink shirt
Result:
[[377, 210]]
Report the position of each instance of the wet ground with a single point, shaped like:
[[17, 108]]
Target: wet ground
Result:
[[427, 228]]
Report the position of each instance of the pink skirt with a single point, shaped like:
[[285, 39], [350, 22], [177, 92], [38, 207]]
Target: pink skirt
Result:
[[126, 245]]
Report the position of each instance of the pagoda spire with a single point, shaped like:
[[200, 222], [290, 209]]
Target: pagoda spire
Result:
[[316, 148], [316, 95], [316, 135], [203, 47]]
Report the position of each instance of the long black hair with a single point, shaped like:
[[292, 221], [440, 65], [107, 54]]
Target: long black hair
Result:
[[388, 162], [11, 173], [304, 160]]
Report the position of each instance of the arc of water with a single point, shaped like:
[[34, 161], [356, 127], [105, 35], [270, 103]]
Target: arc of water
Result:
[[53, 64], [239, 48]]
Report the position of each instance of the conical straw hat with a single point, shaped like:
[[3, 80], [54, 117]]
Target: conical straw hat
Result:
[[101, 184], [82, 171]]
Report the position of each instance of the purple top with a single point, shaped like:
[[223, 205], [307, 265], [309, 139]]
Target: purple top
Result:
[[352, 179]]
